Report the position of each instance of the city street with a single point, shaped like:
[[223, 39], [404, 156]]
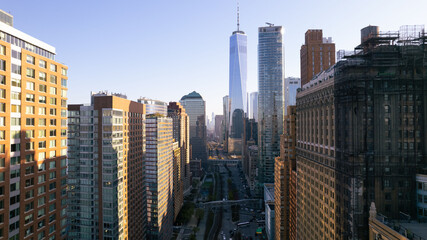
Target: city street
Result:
[[249, 211]]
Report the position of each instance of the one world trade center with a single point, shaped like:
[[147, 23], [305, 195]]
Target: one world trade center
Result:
[[237, 90]]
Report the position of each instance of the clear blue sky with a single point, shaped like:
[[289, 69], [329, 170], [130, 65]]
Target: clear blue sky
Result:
[[166, 49]]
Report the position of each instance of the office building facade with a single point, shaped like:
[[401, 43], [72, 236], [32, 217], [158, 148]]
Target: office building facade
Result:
[[317, 54], [270, 100], [33, 137], [195, 108], [106, 185]]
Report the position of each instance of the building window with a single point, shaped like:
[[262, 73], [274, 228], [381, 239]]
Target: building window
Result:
[[42, 88], [52, 67], [29, 134], [16, 147], [41, 190], [15, 161], [15, 121], [30, 121], [53, 79], [31, 73], [29, 109], [16, 82], [52, 143], [2, 65], [2, 79], [42, 133], [15, 95], [42, 121], [42, 63], [31, 86], [16, 54], [41, 200], [29, 158], [42, 76], [16, 108], [2, 93], [42, 144], [42, 111], [64, 82], [64, 72], [52, 133], [31, 59], [42, 99], [30, 97], [2, 50], [52, 101], [3, 108]]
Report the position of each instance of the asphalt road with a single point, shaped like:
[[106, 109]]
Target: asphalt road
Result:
[[247, 210]]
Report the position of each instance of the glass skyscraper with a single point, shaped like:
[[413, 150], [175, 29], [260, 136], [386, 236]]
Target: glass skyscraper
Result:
[[237, 90], [291, 86], [270, 100], [195, 107], [253, 106]]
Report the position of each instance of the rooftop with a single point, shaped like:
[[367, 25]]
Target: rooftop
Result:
[[193, 95]]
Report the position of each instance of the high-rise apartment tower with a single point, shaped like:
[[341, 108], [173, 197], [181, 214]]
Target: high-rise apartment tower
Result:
[[106, 185], [159, 177], [317, 54], [33, 137], [270, 100]]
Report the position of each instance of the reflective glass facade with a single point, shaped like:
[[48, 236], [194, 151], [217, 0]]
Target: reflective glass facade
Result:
[[270, 100], [253, 106], [291, 86], [237, 90], [195, 107]]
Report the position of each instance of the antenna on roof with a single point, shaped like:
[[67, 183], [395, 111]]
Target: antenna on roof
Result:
[[238, 23], [269, 24]]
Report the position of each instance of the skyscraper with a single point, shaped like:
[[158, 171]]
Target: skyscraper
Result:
[[291, 86], [253, 106], [33, 137], [317, 54], [196, 109], [159, 177], [285, 181], [237, 95], [225, 109], [270, 100], [154, 106], [181, 134], [106, 182]]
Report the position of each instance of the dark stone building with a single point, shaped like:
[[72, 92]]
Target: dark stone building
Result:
[[361, 136]]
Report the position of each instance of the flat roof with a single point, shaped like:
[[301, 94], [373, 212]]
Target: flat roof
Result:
[[25, 37], [419, 229]]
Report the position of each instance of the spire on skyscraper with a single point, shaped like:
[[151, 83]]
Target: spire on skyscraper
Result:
[[238, 24]]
